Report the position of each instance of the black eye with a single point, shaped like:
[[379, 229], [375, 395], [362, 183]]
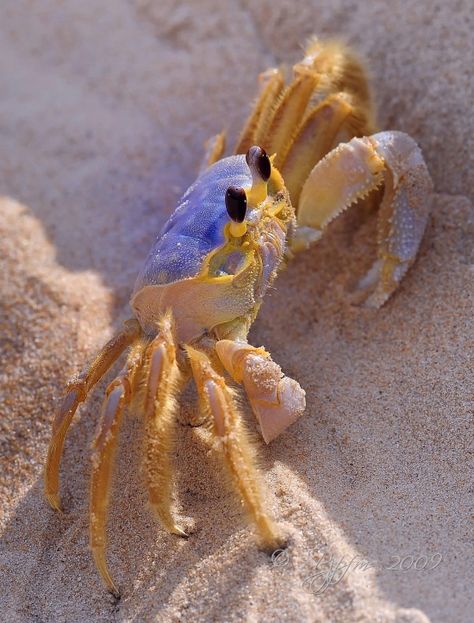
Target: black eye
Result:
[[257, 158], [236, 203]]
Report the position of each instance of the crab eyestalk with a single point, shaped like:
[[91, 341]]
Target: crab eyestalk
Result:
[[236, 204], [237, 199], [261, 169]]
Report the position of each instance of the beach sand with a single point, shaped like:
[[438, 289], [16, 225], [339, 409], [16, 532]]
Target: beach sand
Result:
[[104, 108]]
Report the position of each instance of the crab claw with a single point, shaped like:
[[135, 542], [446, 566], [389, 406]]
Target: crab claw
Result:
[[276, 400], [351, 171]]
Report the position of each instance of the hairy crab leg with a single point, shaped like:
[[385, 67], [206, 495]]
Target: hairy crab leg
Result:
[[315, 139], [327, 69], [231, 439], [77, 391], [118, 396], [256, 126], [340, 102], [288, 114], [164, 381], [349, 173], [276, 400], [339, 70]]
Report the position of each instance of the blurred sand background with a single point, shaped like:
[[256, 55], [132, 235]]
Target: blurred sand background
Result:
[[104, 108]]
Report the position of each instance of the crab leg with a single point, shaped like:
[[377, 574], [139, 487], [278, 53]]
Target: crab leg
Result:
[[289, 113], [338, 70], [164, 380], [232, 440], [213, 150], [256, 126], [349, 173], [315, 138], [118, 396], [281, 113], [77, 391], [276, 400]]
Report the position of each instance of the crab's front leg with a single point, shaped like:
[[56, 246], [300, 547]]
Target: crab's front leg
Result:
[[231, 439], [276, 400], [349, 173]]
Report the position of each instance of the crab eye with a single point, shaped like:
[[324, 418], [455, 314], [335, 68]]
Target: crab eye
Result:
[[236, 203], [257, 158]]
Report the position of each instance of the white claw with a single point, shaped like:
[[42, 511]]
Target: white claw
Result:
[[351, 171], [276, 400], [410, 198]]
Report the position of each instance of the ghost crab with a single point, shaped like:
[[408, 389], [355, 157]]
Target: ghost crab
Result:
[[205, 277]]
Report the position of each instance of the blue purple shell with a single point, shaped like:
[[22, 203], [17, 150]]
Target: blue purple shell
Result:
[[196, 227]]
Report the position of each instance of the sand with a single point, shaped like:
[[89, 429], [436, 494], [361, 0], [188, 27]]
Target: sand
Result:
[[104, 108]]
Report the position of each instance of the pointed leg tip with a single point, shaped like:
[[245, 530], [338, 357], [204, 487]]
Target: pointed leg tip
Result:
[[54, 501], [99, 559], [115, 593], [113, 590], [179, 532], [167, 521], [271, 537], [277, 542]]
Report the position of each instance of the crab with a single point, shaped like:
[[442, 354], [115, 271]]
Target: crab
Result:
[[307, 152]]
